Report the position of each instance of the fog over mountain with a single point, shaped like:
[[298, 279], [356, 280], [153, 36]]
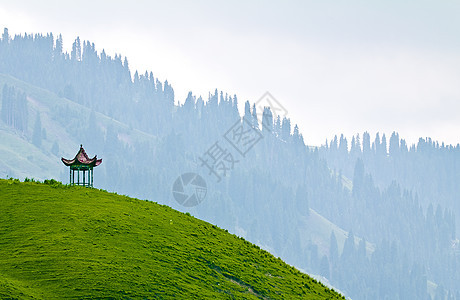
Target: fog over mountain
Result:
[[374, 216], [376, 66], [324, 132]]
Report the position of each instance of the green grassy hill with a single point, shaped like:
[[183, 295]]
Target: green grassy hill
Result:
[[70, 242]]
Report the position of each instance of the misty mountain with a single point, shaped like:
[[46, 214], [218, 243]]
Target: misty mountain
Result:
[[376, 225]]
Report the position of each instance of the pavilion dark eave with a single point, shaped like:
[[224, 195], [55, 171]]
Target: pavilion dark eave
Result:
[[82, 159]]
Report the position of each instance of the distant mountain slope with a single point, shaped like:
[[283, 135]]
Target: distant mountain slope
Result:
[[20, 158], [70, 242], [62, 121], [265, 190], [319, 231]]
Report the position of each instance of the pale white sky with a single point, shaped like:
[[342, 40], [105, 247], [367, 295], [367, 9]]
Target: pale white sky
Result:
[[336, 66]]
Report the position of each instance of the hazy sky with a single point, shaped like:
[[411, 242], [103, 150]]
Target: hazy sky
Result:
[[336, 66]]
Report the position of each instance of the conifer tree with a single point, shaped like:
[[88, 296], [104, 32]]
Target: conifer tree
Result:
[[267, 120], [296, 134], [286, 129], [366, 144], [278, 126], [255, 122], [343, 146], [76, 50], [334, 144], [348, 248], [247, 112], [5, 36], [58, 48], [189, 104], [376, 144], [235, 106], [394, 144]]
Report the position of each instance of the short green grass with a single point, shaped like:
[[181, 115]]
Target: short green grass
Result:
[[58, 241]]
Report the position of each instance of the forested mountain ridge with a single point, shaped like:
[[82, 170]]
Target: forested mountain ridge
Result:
[[429, 168], [269, 192]]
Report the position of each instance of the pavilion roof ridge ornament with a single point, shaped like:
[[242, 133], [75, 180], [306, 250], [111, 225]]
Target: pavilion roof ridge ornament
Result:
[[81, 158], [82, 163]]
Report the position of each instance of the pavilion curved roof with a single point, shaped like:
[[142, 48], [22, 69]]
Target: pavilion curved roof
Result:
[[82, 159]]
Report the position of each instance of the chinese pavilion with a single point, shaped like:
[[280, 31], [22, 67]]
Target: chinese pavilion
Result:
[[83, 163]]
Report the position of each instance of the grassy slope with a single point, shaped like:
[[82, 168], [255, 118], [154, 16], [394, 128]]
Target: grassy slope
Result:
[[20, 158], [72, 242]]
